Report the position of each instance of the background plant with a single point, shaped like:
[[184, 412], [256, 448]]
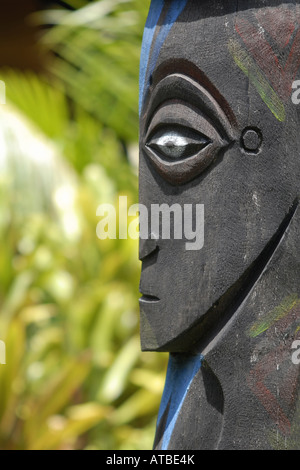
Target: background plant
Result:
[[75, 377]]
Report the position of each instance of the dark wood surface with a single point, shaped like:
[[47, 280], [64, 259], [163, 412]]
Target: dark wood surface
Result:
[[220, 74]]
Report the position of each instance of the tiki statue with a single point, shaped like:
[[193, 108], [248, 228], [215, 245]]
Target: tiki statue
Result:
[[220, 145]]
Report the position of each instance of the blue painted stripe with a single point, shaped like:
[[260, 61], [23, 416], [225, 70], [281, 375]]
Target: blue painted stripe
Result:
[[148, 63], [180, 374], [152, 20]]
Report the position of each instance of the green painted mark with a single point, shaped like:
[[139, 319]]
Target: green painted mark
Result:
[[275, 315], [257, 79]]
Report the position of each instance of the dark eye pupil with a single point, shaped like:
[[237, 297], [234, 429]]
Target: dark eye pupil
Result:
[[175, 144]]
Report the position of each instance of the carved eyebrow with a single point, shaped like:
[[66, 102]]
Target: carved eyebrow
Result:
[[190, 73], [180, 88]]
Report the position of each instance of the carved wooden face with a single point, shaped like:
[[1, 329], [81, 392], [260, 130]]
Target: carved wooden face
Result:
[[218, 128]]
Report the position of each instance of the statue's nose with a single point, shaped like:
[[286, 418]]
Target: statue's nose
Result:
[[148, 246]]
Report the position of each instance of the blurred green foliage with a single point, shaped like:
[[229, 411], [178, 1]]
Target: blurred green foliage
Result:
[[74, 376]]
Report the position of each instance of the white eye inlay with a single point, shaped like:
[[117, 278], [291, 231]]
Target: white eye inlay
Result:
[[174, 144]]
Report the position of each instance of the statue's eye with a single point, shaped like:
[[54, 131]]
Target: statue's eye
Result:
[[184, 129], [174, 142], [181, 142]]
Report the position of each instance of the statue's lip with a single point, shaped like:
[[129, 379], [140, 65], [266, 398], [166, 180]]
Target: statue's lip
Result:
[[147, 298]]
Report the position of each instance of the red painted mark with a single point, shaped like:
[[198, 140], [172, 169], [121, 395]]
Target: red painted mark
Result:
[[280, 24], [268, 365], [256, 383]]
